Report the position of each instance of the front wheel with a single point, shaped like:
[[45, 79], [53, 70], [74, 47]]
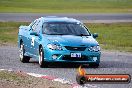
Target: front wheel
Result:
[[24, 59], [41, 58]]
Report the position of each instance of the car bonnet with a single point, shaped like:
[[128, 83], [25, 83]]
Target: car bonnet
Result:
[[72, 40]]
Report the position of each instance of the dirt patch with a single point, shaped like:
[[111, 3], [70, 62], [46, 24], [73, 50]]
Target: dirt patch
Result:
[[22, 80]]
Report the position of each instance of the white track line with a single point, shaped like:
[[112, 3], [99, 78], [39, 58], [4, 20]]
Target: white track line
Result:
[[35, 75]]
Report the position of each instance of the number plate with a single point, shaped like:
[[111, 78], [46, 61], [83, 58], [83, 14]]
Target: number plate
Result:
[[76, 55]]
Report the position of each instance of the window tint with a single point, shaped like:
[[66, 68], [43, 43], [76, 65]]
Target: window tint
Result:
[[65, 28]]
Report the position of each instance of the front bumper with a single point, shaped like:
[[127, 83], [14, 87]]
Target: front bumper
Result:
[[65, 56]]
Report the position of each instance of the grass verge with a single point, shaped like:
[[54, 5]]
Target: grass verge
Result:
[[22, 80], [16, 78], [66, 6], [9, 31], [115, 36]]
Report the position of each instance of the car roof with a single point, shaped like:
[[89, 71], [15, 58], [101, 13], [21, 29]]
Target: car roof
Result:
[[59, 19]]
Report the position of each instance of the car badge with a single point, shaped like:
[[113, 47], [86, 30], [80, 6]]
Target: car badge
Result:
[[75, 48]]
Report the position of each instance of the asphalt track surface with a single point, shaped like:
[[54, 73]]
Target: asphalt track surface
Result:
[[111, 63], [86, 17]]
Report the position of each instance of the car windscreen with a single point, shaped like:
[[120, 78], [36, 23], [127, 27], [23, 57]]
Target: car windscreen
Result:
[[65, 28]]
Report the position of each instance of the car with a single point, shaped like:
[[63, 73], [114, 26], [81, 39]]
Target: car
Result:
[[58, 40]]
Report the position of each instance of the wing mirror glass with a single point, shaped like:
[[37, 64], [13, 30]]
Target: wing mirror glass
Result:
[[95, 35]]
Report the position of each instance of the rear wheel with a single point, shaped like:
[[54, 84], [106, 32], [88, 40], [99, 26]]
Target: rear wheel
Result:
[[24, 59], [41, 58]]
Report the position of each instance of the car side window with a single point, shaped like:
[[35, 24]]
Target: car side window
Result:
[[35, 26], [39, 26]]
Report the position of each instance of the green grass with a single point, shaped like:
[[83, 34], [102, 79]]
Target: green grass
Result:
[[116, 36], [9, 31], [17, 78], [66, 6]]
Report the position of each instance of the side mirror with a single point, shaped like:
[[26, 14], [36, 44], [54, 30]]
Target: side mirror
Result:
[[95, 35], [34, 33]]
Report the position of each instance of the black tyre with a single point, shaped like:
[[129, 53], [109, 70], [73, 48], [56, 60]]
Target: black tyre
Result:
[[24, 59], [42, 63]]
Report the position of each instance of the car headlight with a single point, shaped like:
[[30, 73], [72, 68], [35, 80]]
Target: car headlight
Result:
[[94, 48], [54, 47]]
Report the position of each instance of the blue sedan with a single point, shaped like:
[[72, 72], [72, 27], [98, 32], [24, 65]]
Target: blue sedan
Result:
[[58, 39]]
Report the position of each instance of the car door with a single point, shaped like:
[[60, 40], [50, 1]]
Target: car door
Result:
[[28, 38], [34, 40]]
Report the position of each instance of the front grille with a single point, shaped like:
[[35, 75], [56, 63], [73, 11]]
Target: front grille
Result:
[[75, 48], [68, 57]]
